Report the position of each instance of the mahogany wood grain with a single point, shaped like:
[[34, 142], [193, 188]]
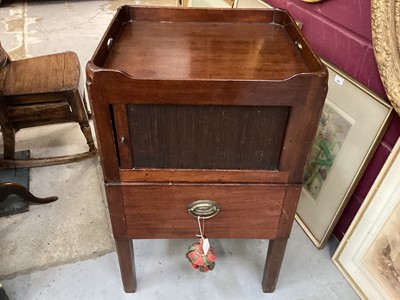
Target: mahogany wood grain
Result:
[[123, 137], [116, 210], [172, 51], [288, 211], [126, 260], [275, 253], [167, 14], [301, 131], [122, 89], [156, 83], [205, 176], [159, 211], [104, 130]]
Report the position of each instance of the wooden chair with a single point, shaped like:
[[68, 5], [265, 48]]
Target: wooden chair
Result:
[[39, 91], [13, 188]]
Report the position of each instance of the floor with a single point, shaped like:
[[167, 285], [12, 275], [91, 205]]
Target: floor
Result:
[[164, 273], [35, 28]]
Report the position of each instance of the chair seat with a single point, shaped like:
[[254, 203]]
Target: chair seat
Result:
[[43, 74], [40, 91]]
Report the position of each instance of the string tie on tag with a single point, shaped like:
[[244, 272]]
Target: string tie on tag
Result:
[[200, 254]]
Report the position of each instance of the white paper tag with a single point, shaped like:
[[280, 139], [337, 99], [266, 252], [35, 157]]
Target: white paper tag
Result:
[[206, 246], [339, 80]]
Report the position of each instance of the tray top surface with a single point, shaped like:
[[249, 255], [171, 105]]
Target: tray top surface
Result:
[[204, 51]]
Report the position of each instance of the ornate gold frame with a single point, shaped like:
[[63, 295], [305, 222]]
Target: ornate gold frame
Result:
[[386, 42]]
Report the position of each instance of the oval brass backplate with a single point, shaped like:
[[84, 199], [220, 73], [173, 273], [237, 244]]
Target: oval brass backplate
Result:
[[204, 209]]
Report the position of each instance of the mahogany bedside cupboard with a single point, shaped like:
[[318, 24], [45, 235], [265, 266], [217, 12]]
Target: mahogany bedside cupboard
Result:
[[215, 109]]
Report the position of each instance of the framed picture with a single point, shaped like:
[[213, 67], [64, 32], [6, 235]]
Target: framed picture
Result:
[[369, 254], [386, 41], [351, 125], [251, 4], [210, 3]]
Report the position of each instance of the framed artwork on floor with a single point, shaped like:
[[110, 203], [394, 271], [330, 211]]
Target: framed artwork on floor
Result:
[[251, 4], [351, 125], [369, 254]]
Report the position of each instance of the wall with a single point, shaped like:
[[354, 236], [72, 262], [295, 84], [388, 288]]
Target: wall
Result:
[[340, 32]]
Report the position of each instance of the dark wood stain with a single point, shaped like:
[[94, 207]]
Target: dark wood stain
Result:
[[198, 50], [159, 210], [38, 91], [193, 104], [207, 137]]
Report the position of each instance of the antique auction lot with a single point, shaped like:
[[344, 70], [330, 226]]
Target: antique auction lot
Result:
[[30, 269]]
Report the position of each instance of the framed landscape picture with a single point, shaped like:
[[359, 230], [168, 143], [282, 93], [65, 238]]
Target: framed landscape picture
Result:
[[369, 254], [352, 123]]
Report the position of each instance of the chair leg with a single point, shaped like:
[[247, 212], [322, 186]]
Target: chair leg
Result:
[[12, 188], [88, 111], [75, 101], [79, 115], [7, 130], [8, 141]]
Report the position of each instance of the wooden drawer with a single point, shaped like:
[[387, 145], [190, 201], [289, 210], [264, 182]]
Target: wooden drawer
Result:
[[190, 125], [247, 211]]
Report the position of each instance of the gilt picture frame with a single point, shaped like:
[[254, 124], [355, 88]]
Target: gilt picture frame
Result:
[[352, 123], [369, 254], [385, 23]]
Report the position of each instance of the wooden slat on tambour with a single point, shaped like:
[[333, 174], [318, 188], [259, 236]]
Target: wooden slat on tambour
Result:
[[202, 137], [123, 137]]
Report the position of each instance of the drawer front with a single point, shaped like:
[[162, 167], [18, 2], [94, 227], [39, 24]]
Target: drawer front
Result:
[[247, 211]]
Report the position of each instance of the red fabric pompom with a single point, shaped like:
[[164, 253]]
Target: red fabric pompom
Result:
[[199, 260]]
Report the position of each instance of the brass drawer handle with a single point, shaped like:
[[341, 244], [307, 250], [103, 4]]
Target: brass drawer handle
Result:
[[203, 208]]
